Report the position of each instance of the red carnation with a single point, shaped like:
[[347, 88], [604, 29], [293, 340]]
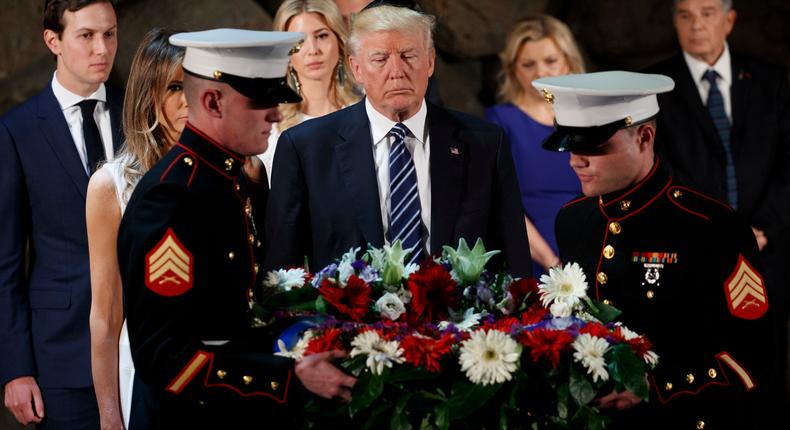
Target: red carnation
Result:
[[546, 343], [596, 329], [352, 301], [425, 351], [640, 345], [535, 314], [433, 292], [521, 288], [327, 341], [502, 324]]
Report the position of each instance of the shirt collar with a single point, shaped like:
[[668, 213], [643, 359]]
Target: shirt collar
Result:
[[380, 125], [721, 66], [67, 99]]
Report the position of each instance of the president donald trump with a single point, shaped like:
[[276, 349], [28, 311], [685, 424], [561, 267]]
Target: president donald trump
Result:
[[393, 166]]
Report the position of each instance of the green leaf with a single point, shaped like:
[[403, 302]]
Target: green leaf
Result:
[[401, 374], [581, 389], [320, 304], [466, 398], [367, 389], [603, 312], [590, 419], [441, 417], [400, 420], [626, 368], [371, 421]]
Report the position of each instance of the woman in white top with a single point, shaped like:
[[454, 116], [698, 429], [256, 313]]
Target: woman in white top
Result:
[[318, 69], [154, 114]]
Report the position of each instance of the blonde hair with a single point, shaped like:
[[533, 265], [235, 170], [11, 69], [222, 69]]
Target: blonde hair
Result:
[[532, 29], [342, 91], [153, 67], [390, 18]]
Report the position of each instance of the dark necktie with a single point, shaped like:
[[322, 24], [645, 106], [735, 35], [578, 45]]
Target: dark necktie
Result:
[[93, 147], [722, 123], [405, 220]]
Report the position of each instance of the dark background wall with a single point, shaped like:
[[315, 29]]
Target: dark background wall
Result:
[[613, 34]]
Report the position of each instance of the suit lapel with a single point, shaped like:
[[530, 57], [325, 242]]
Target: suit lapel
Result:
[[115, 102], [739, 98], [687, 89], [448, 154], [56, 131], [355, 156]]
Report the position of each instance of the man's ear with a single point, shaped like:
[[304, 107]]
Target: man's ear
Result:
[[647, 135], [355, 69], [52, 40], [211, 102], [730, 17]]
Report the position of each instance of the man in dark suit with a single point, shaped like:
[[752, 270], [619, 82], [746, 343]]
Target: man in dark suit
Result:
[[725, 131], [49, 146], [393, 167]]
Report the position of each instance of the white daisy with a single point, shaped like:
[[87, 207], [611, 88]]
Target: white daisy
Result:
[[589, 350], [380, 352], [285, 279], [560, 310], [651, 358], [563, 285], [390, 306], [297, 352], [489, 357]]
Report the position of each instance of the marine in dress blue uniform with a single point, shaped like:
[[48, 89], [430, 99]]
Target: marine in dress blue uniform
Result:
[[190, 249], [682, 267]]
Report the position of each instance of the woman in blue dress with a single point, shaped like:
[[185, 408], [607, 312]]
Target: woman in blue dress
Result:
[[538, 46]]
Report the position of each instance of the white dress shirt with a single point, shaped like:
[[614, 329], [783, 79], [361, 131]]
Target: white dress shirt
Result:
[[68, 103], [420, 149], [723, 67]]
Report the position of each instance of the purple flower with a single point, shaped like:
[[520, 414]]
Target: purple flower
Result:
[[326, 272]]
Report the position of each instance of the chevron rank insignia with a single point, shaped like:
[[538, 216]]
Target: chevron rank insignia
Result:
[[168, 267], [745, 291]]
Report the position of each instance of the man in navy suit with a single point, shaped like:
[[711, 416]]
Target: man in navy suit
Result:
[[49, 146], [345, 180], [725, 131]]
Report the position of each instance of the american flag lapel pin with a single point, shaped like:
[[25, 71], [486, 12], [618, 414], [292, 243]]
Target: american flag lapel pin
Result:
[[454, 151]]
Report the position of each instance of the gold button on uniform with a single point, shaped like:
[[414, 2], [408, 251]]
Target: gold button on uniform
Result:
[[625, 205], [188, 161], [690, 378], [238, 187], [247, 379], [677, 193], [275, 385], [608, 252], [228, 164], [700, 425], [602, 278], [607, 302], [256, 268], [251, 238], [668, 386], [712, 373], [650, 294], [615, 227], [231, 255], [221, 374], [258, 244]]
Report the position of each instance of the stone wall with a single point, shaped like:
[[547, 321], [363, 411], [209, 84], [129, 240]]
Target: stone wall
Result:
[[613, 34]]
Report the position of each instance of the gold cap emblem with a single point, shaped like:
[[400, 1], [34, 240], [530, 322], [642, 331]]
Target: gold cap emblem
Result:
[[628, 120], [548, 96], [296, 48], [217, 75]]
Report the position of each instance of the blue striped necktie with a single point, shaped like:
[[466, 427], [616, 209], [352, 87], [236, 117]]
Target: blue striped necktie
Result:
[[405, 220], [722, 123]]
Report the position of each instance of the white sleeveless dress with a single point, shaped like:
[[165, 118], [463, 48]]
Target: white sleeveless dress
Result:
[[125, 365]]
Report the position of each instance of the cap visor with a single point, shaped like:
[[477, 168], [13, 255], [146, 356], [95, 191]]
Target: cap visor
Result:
[[580, 139], [268, 91]]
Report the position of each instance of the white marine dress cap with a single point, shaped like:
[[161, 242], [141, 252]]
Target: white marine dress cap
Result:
[[589, 108], [254, 63]]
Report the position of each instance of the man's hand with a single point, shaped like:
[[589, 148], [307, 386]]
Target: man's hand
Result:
[[21, 394], [618, 401], [321, 377], [762, 239]]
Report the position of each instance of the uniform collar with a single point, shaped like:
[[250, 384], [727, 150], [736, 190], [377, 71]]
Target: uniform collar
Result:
[[209, 151], [624, 203]]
